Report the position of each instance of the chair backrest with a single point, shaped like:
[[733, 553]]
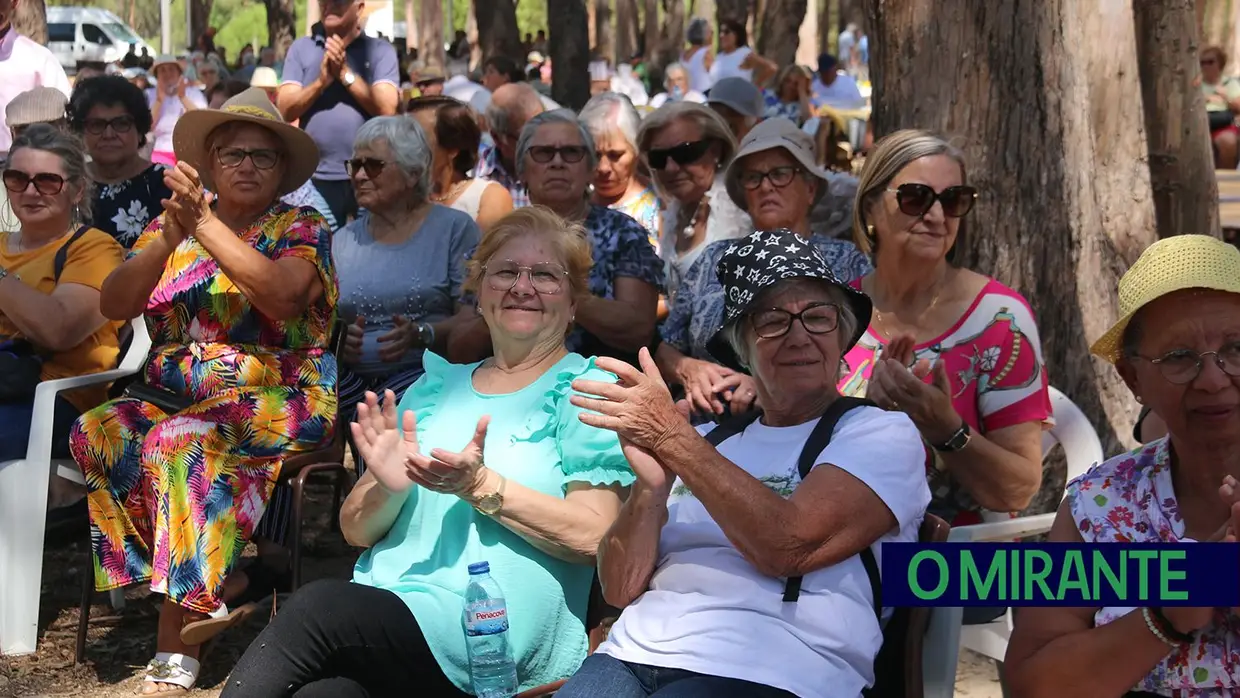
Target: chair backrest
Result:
[[1075, 433], [135, 343], [898, 666]]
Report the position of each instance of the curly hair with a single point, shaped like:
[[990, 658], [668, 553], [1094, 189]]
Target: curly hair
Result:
[[109, 91]]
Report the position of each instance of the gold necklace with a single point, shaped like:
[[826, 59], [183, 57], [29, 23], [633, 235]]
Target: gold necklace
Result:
[[453, 192], [881, 325]]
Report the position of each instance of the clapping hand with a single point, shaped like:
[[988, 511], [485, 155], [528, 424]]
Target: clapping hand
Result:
[[334, 62], [190, 204], [897, 383], [638, 408], [460, 473], [708, 385], [396, 342], [384, 448]]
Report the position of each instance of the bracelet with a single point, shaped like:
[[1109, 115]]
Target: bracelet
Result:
[[430, 334], [1168, 628], [1154, 628]]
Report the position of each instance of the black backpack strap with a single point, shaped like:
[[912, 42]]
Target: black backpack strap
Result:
[[62, 255], [729, 427], [817, 441]]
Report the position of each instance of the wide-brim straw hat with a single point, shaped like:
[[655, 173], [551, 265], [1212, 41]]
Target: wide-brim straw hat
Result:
[[768, 135], [189, 138], [1174, 264]]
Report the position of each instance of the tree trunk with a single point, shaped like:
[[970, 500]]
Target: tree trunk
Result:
[[1038, 143], [471, 34], [497, 29], [781, 30], [30, 20], [1178, 137], [807, 44], [411, 26], [851, 12], [281, 25], [430, 35], [570, 56], [1217, 23], [604, 37], [650, 22], [199, 19], [626, 29], [705, 9], [730, 9], [826, 27]]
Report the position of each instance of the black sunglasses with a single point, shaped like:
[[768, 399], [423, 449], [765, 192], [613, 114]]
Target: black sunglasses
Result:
[[45, 183], [371, 166], [916, 199], [543, 154], [683, 154], [120, 124]]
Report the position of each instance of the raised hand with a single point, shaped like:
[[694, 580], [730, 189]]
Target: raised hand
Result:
[[384, 448], [189, 203], [460, 473], [638, 408], [649, 471], [895, 386]]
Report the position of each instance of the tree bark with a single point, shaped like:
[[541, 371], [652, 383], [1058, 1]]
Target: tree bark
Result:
[[497, 29], [781, 30], [626, 29], [851, 12], [731, 9], [411, 26], [604, 37], [570, 56], [281, 25], [199, 19], [650, 22], [430, 35], [30, 20], [1041, 225], [1177, 135]]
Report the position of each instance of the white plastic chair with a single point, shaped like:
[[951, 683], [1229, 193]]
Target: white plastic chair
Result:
[[1082, 448], [23, 503]]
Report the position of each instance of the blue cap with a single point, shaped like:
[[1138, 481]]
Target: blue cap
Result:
[[480, 568]]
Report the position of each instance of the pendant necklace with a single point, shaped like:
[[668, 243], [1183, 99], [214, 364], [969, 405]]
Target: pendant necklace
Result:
[[688, 230]]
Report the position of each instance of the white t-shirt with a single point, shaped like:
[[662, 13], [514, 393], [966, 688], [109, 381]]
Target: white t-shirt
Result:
[[728, 65], [169, 113], [842, 93], [664, 97], [708, 610]]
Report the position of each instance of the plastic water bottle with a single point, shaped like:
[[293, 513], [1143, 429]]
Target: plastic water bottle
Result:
[[491, 668]]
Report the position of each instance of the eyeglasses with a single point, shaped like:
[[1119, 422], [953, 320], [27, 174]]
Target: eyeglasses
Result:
[[683, 154], [120, 124], [545, 277], [1183, 365], [816, 319], [543, 154], [371, 166], [780, 177], [45, 183], [611, 155], [916, 199], [262, 158]]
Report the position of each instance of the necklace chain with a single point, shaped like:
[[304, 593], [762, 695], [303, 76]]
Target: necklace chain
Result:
[[454, 191], [881, 324]]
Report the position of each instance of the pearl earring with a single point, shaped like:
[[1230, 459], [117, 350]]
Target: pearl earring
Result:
[[1140, 401]]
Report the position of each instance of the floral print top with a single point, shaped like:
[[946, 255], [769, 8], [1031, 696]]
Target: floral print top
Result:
[[697, 311], [998, 376], [643, 207], [779, 109], [198, 318], [123, 210], [1130, 499], [621, 247]]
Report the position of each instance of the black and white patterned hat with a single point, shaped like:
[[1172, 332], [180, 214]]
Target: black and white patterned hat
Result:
[[762, 259]]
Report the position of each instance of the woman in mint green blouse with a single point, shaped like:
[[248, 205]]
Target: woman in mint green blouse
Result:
[[484, 461]]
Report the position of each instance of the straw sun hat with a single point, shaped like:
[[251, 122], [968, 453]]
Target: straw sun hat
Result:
[[189, 138], [1174, 264]]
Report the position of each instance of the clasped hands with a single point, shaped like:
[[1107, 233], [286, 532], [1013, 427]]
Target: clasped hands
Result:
[[334, 60], [393, 344], [189, 209], [897, 383]]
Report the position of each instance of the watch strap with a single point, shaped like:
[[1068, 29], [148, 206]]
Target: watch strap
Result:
[[956, 442]]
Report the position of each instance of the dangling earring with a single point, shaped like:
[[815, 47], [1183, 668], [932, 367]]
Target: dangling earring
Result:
[[1140, 401]]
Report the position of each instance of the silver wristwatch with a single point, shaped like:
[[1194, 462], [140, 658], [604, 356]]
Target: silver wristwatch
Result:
[[348, 78], [426, 334]]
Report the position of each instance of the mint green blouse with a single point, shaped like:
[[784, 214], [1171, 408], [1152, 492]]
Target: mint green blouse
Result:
[[536, 439]]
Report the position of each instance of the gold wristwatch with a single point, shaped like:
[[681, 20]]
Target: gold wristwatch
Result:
[[491, 504]]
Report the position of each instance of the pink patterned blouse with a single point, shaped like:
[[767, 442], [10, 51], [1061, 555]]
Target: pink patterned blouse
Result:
[[994, 361], [1130, 499]]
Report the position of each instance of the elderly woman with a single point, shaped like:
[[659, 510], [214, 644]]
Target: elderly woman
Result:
[[789, 98], [1222, 93], [775, 179], [170, 98], [401, 263], [239, 295], [50, 307], [956, 351], [718, 530], [484, 461], [113, 118], [687, 148], [613, 122], [452, 129], [1175, 347], [676, 84]]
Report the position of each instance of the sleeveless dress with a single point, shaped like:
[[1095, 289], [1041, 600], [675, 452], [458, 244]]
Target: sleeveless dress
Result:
[[470, 200], [1131, 499], [728, 65], [700, 79]]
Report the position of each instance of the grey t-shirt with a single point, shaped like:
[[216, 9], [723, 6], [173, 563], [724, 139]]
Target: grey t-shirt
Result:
[[420, 278]]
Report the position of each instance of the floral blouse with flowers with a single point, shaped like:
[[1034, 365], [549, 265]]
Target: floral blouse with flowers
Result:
[[123, 210]]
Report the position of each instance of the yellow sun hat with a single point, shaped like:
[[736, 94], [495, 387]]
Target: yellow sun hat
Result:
[[1174, 264]]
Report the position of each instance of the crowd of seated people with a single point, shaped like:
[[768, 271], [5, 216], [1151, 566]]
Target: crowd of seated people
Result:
[[649, 370]]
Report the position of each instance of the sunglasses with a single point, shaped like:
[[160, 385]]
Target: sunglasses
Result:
[[371, 166], [546, 153], [262, 158], [45, 183], [916, 199], [683, 154], [120, 124]]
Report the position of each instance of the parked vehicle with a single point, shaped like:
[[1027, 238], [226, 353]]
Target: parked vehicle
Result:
[[79, 35]]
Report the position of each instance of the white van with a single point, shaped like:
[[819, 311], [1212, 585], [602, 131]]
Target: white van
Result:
[[88, 34]]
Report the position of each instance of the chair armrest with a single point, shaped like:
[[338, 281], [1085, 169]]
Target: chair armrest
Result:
[[1001, 531], [39, 445]]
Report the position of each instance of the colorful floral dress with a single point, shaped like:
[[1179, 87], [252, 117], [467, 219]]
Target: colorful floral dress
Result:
[[998, 378], [644, 208], [174, 498], [1131, 499]]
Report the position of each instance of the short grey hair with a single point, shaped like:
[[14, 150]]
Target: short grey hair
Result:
[[407, 141], [555, 116], [741, 343], [71, 151], [674, 68], [612, 111], [699, 29]]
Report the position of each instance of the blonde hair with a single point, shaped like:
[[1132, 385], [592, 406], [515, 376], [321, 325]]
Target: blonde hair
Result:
[[712, 126], [891, 155], [569, 240]]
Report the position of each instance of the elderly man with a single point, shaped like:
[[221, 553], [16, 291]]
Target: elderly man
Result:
[[42, 105], [834, 88], [24, 65], [512, 105], [676, 82], [739, 103]]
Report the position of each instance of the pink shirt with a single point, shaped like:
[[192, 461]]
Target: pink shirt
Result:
[[25, 65]]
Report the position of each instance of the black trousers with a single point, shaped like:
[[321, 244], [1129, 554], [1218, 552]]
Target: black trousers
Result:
[[338, 193], [343, 640]]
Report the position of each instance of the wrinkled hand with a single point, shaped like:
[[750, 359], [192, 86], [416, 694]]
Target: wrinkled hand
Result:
[[460, 473], [741, 393], [649, 470], [400, 339], [703, 382], [895, 385], [190, 204], [639, 408], [354, 336], [384, 448], [334, 62]]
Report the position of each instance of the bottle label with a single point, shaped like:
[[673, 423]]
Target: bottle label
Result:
[[489, 617]]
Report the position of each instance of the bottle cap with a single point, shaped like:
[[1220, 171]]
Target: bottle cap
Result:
[[480, 568]]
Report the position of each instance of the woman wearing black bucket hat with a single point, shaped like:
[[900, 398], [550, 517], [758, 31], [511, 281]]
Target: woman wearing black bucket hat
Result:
[[717, 530]]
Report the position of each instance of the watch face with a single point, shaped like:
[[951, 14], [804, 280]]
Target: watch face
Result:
[[490, 504]]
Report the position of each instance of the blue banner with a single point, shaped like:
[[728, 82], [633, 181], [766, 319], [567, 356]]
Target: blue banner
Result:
[[1061, 574]]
